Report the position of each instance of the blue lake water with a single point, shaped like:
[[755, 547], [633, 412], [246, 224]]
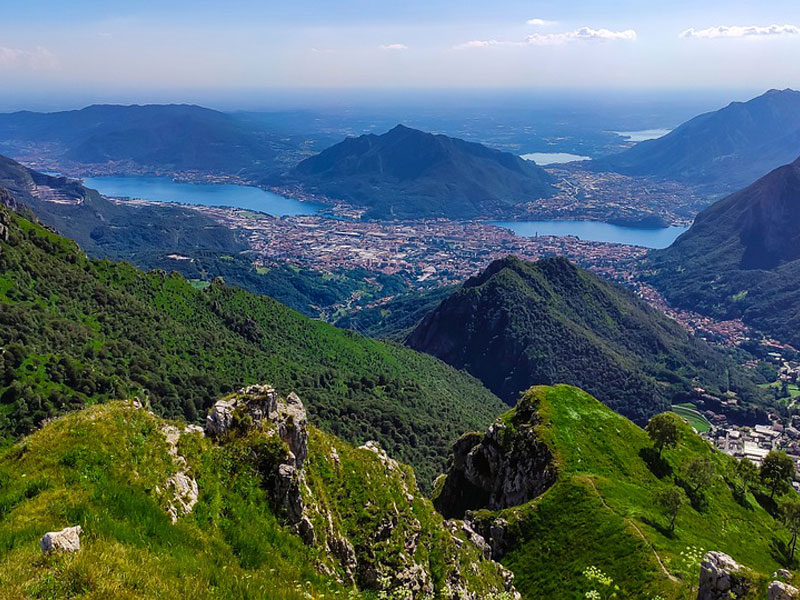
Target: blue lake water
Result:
[[596, 231], [164, 189], [643, 134], [553, 158]]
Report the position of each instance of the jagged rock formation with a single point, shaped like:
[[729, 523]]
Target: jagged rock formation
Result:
[[506, 467], [7, 200], [182, 487], [275, 433], [782, 591], [258, 407], [722, 578], [66, 540]]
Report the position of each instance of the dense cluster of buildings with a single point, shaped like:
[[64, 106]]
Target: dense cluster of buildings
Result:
[[437, 251], [615, 198]]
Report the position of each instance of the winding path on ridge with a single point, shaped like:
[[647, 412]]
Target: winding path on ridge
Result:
[[641, 534]]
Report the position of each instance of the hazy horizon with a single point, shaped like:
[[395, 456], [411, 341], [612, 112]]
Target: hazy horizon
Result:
[[55, 55]]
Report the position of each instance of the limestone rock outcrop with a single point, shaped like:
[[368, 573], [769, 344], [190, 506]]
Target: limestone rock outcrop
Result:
[[507, 466], [779, 590], [386, 550], [181, 487], [722, 578], [66, 540]]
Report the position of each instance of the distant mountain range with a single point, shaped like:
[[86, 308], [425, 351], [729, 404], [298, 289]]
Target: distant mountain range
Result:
[[407, 173], [519, 323], [722, 150], [178, 137], [741, 258]]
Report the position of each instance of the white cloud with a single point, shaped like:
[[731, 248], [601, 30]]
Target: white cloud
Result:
[[393, 47], [741, 31], [480, 44], [554, 39], [539, 22], [584, 33], [40, 58]]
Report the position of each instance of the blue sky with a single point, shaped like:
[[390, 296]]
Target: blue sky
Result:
[[51, 47]]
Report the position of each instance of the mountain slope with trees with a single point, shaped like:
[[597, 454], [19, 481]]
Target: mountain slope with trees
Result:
[[77, 331], [165, 137], [722, 150], [407, 173], [741, 257], [519, 323]]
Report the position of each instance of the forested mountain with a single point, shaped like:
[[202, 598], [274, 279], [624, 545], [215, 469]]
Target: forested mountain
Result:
[[741, 257], [407, 173], [519, 323], [77, 331], [722, 150], [172, 136]]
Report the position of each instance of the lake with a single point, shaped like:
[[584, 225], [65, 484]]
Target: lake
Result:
[[164, 189], [643, 134], [596, 231], [553, 158]]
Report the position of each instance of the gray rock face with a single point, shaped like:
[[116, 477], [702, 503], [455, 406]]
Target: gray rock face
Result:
[[403, 573], [721, 578], [66, 540], [258, 406], [782, 591], [292, 425], [181, 486], [506, 467], [495, 531], [248, 408]]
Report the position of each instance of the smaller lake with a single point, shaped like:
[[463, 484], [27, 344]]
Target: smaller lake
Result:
[[643, 134], [553, 158], [596, 231], [164, 189]]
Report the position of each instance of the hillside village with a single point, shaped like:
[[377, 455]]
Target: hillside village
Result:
[[755, 442]]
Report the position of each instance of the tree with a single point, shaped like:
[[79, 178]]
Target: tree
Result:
[[790, 515], [664, 430], [777, 471], [699, 472], [747, 473], [669, 500]]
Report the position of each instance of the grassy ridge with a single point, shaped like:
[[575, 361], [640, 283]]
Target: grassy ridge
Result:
[[76, 331], [105, 467], [601, 510], [99, 468]]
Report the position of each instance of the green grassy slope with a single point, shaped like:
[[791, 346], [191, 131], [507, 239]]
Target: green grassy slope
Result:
[[601, 511], [76, 331], [104, 468]]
